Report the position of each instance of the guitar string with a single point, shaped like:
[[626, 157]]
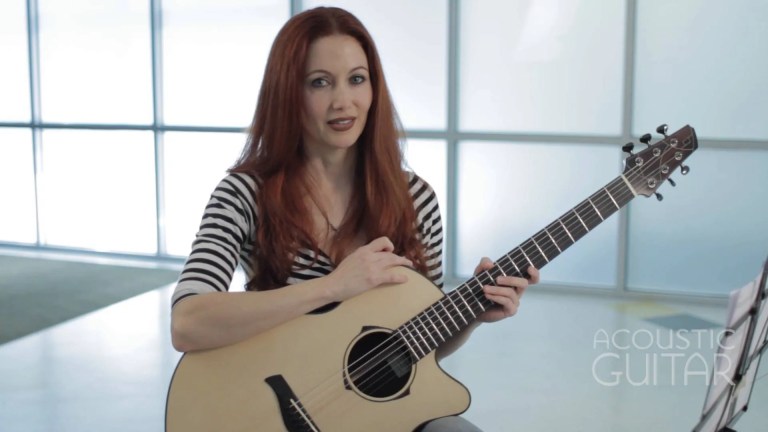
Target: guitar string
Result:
[[386, 354], [382, 379], [473, 291], [374, 361], [572, 216]]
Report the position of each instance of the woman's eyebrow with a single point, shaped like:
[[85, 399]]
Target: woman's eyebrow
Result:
[[323, 71]]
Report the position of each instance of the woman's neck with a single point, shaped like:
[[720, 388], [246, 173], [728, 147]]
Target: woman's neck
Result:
[[332, 172]]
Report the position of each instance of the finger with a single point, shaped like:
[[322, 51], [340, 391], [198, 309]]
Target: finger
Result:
[[505, 303], [533, 272], [505, 292], [390, 277], [512, 282], [391, 260], [381, 244], [485, 264]]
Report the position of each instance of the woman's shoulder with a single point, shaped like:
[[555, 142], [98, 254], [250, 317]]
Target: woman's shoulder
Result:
[[418, 186], [239, 183]]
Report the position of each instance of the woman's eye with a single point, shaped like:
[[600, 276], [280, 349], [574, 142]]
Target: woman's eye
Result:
[[358, 79], [319, 82]]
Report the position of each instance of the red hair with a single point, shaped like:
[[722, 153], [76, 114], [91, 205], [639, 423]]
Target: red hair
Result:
[[381, 204]]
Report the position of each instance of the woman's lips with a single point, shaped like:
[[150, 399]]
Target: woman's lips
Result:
[[342, 124]]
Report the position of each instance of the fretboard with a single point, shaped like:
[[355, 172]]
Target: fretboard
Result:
[[458, 308]]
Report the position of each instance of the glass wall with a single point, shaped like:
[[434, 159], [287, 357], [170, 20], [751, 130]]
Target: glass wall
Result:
[[117, 122], [547, 67], [14, 75], [18, 218], [95, 63], [214, 54]]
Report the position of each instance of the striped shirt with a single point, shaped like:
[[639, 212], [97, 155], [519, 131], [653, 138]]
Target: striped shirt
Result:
[[228, 229]]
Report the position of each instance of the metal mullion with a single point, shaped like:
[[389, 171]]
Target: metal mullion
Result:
[[156, 26], [33, 54], [179, 128], [16, 124], [622, 258], [296, 6], [452, 143], [89, 253]]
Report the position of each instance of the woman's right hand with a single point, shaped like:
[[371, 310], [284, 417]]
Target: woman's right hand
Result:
[[366, 268]]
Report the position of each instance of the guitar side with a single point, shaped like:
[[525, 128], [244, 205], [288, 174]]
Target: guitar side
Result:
[[225, 390]]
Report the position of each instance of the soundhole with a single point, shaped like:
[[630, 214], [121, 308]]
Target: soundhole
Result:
[[379, 365]]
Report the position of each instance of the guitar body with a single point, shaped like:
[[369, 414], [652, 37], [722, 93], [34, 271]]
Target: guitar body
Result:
[[225, 389], [347, 370]]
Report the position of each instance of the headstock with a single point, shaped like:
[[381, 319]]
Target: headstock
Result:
[[647, 169]]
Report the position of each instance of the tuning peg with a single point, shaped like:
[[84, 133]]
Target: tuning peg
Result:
[[672, 182], [646, 139], [685, 169], [627, 148], [662, 129], [659, 196]]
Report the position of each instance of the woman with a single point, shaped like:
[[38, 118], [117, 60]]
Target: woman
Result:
[[318, 208]]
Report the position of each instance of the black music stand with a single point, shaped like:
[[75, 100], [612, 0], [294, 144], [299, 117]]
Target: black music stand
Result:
[[738, 357]]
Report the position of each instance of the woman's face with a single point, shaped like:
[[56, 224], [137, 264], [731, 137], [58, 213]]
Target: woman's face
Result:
[[337, 94]]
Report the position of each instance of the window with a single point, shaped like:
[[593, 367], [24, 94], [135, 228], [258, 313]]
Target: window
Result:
[[95, 62], [514, 113], [544, 66], [194, 163], [14, 74], [97, 190], [509, 191], [214, 54], [18, 220]]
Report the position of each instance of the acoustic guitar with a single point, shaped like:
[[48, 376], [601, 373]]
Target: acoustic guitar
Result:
[[368, 364]]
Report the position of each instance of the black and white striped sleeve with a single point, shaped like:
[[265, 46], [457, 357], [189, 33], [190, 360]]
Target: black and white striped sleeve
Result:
[[430, 226], [225, 230]]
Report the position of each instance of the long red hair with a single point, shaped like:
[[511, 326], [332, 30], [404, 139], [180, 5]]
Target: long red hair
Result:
[[381, 204]]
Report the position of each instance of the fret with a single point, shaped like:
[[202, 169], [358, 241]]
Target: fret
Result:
[[405, 339], [488, 277], [430, 319], [611, 197], [418, 344], [448, 313], [479, 303], [523, 261], [437, 314], [596, 209], [605, 204], [577, 228], [457, 310], [541, 251], [553, 240], [458, 291], [526, 256], [473, 292], [427, 330], [517, 269], [621, 191], [589, 215], [566, 231], [479, 283], [581, 220], [503, 273], [629, 186]]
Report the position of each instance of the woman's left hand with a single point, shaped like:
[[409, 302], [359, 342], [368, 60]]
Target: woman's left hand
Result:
[[506, 294]]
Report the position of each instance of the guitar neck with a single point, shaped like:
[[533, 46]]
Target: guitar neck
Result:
[[458, 308]]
